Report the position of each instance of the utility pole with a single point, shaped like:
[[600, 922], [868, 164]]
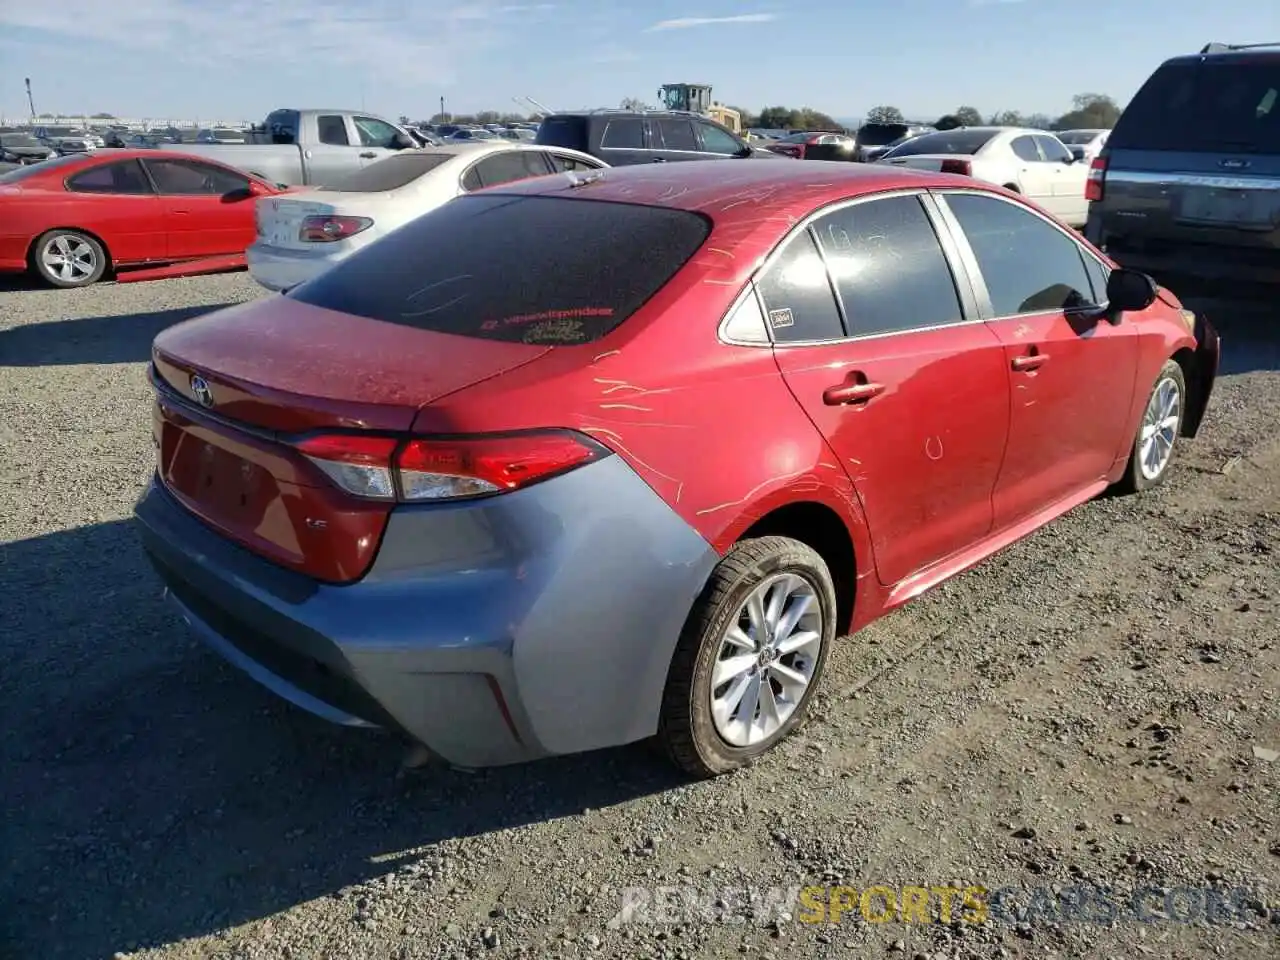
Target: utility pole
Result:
[[444, 117], [30, 103]]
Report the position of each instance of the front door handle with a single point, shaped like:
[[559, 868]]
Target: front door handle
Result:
[[370, 155], [1032, 360], [851, 393]]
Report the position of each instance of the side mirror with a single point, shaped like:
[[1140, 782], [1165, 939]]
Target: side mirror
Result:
[[1130, 290]]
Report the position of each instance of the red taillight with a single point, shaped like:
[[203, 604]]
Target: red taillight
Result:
[[962, 167], [422, 469], [328, 228], [1095, 186]]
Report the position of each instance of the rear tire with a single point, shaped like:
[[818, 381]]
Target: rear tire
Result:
[[68, 258], [1159, 429], [784, 641]]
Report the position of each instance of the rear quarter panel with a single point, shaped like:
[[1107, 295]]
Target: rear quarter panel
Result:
[[130, 227]]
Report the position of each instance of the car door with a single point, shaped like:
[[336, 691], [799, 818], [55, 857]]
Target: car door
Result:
[[719, 144], [506, 166], [1035, 177], [1069, 204], [623, 141], [378, 139], [1071, 377], [208, 209], [332, 150], [896, 370], [673, 139], [115, 201]]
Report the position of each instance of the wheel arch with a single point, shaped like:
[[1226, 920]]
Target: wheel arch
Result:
[[820, 527]]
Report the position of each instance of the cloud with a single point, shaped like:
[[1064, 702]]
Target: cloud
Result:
[[685, 23], [398, 41]]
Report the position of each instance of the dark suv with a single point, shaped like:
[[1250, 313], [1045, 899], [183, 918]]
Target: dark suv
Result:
[[623, 137], [1189, 181]]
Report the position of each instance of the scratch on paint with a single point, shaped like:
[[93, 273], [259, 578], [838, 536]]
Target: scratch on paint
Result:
[[932, 444], [607, 353], [617, 442], [620, 386], [625, 406], [750, 493], [855, 461]]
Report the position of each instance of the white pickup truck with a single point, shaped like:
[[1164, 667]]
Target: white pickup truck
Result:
[[309, 147]]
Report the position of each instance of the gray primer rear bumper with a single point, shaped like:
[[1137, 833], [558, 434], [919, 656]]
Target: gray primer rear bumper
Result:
[[569, 596]]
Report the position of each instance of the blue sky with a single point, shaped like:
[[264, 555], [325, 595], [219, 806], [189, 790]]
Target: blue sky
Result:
[[237, 59]]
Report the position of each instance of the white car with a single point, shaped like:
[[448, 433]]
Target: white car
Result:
[[303, 233], [1085, 144], [1032, 162]]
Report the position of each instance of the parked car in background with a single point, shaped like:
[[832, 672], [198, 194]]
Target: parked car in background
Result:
[[1030, 162], [872, 154], [472, 134], [795, 144], [221, 135], [55, 135], [65, 146], [309, 147], [1083, 144], [22, 148], [447, 470], [1189, 181], [73, 219], [305, 232], [622, 137], [519, 134], [871, 137]]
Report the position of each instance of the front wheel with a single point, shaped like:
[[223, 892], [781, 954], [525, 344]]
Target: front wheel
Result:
[[750, 656], [1158, 432], [67, 258]]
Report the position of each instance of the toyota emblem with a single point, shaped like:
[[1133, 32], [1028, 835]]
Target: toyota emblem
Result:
[[200, 390]]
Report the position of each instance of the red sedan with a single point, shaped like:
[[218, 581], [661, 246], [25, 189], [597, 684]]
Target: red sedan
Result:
[[74, 219], [515, 497]]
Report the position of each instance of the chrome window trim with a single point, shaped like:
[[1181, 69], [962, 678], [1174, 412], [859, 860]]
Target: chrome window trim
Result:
[[804, 226], [971, 261]]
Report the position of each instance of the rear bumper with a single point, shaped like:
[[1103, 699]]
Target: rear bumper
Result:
[[536, 623], [1200, 261], [279, 269]]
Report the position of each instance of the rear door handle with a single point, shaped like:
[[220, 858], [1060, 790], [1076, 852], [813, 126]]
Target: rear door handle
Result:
[[851, 393], [1032, 360], [368, 156]]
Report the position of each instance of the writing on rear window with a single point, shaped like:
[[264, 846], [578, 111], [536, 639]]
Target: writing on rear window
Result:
[[507, 282]]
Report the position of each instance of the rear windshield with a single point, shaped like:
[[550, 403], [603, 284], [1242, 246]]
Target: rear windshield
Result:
[[568, 132], [878, 134], [963, 142], [1226, 104], [507, 282], [391, 173]]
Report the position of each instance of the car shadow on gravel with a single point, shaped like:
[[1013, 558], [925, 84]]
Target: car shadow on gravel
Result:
[[1249, 328], [153, 793], [116, 339]]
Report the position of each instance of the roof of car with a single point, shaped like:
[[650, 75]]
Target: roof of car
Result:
[[750, 190]]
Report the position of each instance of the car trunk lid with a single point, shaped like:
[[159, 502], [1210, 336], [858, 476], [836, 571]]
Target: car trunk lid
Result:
[[227, 419]]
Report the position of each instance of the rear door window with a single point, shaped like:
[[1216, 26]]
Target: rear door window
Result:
[[798, 299], [1230, 104], [888, 267], [1024, 148], [607, 260], [332, 130], [623, 134], [673, 135], [509, 167]]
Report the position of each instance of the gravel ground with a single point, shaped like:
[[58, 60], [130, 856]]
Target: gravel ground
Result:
[[1097, 705]]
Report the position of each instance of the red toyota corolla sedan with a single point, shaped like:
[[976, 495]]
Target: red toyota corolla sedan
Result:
[[73, 219], [583, 460]]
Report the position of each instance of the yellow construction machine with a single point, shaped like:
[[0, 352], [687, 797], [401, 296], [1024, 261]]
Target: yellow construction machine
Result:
[[696, 98]]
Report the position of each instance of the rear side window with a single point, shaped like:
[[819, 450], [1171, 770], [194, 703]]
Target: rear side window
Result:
[[961, 142], [125, 177], [796, 290], [625, 134], [332, 131], [888, 267], [1226, 104], [503, 168], [570, 132], [608, 259], [391, 173]]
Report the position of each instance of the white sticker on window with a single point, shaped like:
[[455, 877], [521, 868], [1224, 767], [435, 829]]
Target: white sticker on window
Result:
[[781, 318]]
